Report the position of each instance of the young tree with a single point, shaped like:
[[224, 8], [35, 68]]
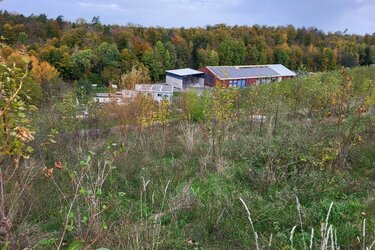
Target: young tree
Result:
[[328, 59], [349, 55], [146, 111], [15, 134], [221, 115], [137, 75]]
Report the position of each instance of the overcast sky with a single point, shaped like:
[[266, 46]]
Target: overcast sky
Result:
[[358, 16]]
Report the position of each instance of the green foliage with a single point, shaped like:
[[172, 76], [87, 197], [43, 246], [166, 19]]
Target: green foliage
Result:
[[23, 37], [16, 129], [150, 60], [75, 245], [195, 108], [107, 54], [207, 58], [68, 110], [231, 52], [170, 192], [176, 182], [111, 50], [349, 55], [83, 62]]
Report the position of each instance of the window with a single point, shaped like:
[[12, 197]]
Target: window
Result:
[[264, 80], [237, 83], [243, 83], [209, 79]]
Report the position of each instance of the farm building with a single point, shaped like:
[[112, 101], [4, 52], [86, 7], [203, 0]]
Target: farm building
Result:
[[184, 78], [104, 98], [242, 76], [159, 92]]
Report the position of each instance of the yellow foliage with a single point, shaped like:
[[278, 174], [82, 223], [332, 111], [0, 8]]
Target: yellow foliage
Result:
[[163, 112], [6, 51], [137, 75], [146, 110], [222, 105], [43, 71], [19, 59]]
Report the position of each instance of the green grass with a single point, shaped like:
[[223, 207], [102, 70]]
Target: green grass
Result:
[[192, 197]]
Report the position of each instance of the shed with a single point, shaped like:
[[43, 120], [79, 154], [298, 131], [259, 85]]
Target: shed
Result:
[[183, 78]]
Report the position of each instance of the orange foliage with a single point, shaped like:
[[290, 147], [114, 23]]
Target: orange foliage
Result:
[[43, 71]]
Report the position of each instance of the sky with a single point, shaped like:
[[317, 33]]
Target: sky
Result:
[[358, 16]]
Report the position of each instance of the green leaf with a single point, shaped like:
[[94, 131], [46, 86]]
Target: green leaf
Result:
[[85, 219], [104, 226], [69, 228], [99, 193], [75, 245], [88, 159], [121, 194], [71, 215], [52, 140], [29, 149], [82, 191], [102, 248], [83, 163]]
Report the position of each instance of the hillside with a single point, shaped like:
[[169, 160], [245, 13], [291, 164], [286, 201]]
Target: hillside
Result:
[[281, 165], [299, 154], [88, 51]]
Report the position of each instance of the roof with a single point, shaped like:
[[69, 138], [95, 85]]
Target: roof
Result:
[[282, 70], [250, 71], [107, 95], [184, 72], [154, 88]]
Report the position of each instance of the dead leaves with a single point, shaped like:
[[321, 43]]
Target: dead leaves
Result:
[[49, 171]]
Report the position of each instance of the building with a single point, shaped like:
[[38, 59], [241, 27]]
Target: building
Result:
[[159, 92], [104, 98], [242, 76], [185, 78]]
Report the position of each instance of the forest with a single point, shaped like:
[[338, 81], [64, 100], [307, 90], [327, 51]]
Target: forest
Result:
[[88, 51], [288, 165]]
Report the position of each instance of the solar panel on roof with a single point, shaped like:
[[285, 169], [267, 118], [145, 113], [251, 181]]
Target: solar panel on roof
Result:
[[236, 72], [242, 72]]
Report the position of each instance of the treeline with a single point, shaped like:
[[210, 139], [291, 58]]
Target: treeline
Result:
[[90, 52]]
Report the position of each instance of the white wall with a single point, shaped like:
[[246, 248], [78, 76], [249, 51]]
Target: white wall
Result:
[[164, 96], [201, 82], [177, 83]]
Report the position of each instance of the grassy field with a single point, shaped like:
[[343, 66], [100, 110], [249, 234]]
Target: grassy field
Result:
[[183, 176]]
